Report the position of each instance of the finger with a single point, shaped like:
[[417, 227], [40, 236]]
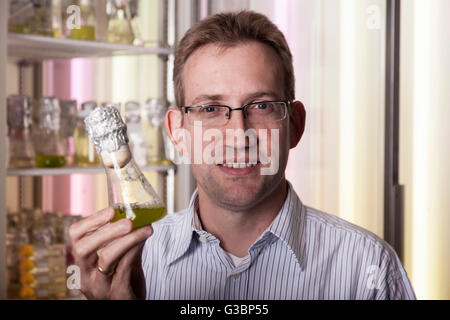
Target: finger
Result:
[[96, 220], [88, 245], [109, 256], [129, 281]]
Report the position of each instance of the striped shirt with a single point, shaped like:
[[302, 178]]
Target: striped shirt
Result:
[[303, 254]]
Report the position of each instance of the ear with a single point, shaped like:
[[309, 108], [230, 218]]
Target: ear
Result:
[[173, 123], [297, 118]]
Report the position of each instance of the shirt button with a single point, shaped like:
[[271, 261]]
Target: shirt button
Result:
[[202, 239], [235, 276]]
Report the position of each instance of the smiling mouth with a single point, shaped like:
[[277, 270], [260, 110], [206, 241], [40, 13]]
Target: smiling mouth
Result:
[[239, 165]]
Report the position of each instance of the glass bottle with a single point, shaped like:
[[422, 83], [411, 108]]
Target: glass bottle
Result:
[[86, 30], [26, 255], [48, 146], [120, 29], [57, 21], [21, 153], [85, 154], [129, 192], [155, 110], [20, 13], [56, 256], [135, 134], [136, 23], [40, 21], [68, 122], [34, 264], [15, 237]]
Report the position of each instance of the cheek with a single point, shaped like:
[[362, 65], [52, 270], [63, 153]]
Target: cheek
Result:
[[276, 139]]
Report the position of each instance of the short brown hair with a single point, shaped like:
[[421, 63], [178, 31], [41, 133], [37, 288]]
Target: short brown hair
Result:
[[228, 30]]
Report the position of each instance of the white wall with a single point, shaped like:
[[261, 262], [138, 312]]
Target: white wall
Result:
[[424, 144]]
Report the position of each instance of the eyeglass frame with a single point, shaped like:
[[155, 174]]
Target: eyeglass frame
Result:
[[287, 103]]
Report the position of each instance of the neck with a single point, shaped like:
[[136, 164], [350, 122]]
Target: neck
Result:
[[238, 230]]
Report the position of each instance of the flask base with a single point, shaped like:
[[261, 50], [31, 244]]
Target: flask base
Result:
[[144, 216]]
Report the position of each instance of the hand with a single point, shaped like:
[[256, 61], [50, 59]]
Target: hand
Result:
[[116, 250]]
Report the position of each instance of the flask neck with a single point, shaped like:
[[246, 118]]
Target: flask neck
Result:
[[117, 159]]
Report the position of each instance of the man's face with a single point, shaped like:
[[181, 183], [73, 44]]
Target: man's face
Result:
[[235, 76]]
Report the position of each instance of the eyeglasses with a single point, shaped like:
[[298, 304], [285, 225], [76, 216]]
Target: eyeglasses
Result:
[[262, 112]]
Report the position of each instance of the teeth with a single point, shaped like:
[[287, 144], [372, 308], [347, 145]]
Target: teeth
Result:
[[236, 165]]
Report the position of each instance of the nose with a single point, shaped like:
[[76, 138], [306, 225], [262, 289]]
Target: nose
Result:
[[237, 120], [236, 137]]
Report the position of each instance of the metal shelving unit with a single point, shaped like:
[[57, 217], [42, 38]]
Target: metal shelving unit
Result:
[[36, 172], [15, 47], [47, 48]]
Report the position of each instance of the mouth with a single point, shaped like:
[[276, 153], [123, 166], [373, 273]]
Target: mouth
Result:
[[239, 168]]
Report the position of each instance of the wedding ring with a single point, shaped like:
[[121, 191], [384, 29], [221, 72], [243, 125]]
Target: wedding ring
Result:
[[108, 274]]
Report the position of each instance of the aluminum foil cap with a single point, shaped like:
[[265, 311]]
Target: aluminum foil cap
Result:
[[132, 112], [106, 129], [50, 114], [19, 111], [155, 110]]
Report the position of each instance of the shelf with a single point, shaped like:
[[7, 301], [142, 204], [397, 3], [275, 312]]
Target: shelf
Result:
[[76, 170], [46, 48]]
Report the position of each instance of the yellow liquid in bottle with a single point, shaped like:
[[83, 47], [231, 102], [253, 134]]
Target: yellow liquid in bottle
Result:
[[144, 216], [85, 154], [18, 28], [57, 33], [49, 161], [84, 33], [21, 163]]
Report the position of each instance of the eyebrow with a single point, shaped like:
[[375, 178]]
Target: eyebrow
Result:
[[218, 97]]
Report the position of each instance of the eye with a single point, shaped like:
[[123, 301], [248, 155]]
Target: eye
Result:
[[262, 105], [209, 109]]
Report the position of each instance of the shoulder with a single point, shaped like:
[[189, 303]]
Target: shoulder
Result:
[[343, 238], [372, 263]]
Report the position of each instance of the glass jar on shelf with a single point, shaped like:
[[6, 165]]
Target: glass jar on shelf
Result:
[[155, 110], [136, 23], [135, 133], [56, 255], [87, 21], [85, 154], [21, 152], [120, 29], [20, 13], [48, 145], [16, 236], [68, 122], [57, 18], [40, 22], [20, 253]]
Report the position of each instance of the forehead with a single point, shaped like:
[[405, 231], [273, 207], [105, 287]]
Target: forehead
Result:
[[232, 72]]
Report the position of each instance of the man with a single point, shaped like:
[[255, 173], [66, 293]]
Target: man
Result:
[[245, 234]]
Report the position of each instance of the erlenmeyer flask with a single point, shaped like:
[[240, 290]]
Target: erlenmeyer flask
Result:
[[129, 192], [48, 146], [21, 153]]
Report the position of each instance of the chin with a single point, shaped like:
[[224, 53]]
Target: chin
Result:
[[237, 195]]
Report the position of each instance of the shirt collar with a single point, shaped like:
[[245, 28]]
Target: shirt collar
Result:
[[288, 226], [185, 230]]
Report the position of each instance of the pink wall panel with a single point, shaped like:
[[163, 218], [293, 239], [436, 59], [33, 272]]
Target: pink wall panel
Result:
[[69, 80]]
